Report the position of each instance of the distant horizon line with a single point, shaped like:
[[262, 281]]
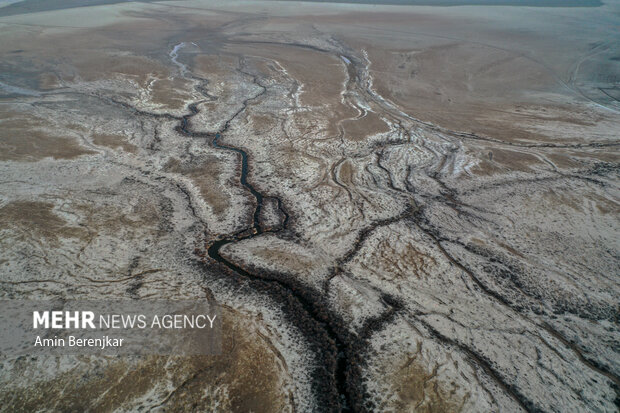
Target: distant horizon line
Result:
[[33, 6], [448, 3]]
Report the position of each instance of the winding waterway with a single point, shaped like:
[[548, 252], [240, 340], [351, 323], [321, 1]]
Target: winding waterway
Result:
[[338, 347]]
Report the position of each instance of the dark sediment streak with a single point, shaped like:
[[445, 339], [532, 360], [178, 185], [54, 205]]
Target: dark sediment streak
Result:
[[305, 308]]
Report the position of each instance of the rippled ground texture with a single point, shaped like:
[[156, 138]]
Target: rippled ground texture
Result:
[[400, 208]]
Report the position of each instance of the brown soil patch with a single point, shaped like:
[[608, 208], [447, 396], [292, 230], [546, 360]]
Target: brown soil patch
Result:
[[605, 205], [26, 138], [36, 220], [247, 376], [210, 66], [48, 81], [138, 68], [113, 219], [500, 160], [419, 390], [345, 173], [263, 123], [171, 93], [479, 89], [393, 261], [217, 69], [321, 75], [206, 176], [114, 142], [360, 129]]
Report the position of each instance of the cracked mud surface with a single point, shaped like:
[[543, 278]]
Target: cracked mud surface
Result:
[[400, 208]]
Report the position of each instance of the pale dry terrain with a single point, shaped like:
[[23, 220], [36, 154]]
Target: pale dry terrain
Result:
[[400, 208]]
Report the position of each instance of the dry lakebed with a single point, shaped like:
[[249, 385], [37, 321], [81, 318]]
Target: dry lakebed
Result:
[[399, 207]]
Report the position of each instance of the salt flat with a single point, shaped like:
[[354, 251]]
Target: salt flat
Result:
[[400, 208]]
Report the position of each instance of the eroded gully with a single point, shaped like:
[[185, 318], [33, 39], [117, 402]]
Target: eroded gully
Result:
[[336, 382]]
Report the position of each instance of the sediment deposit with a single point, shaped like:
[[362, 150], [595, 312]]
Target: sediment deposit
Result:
[[400, 208]]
